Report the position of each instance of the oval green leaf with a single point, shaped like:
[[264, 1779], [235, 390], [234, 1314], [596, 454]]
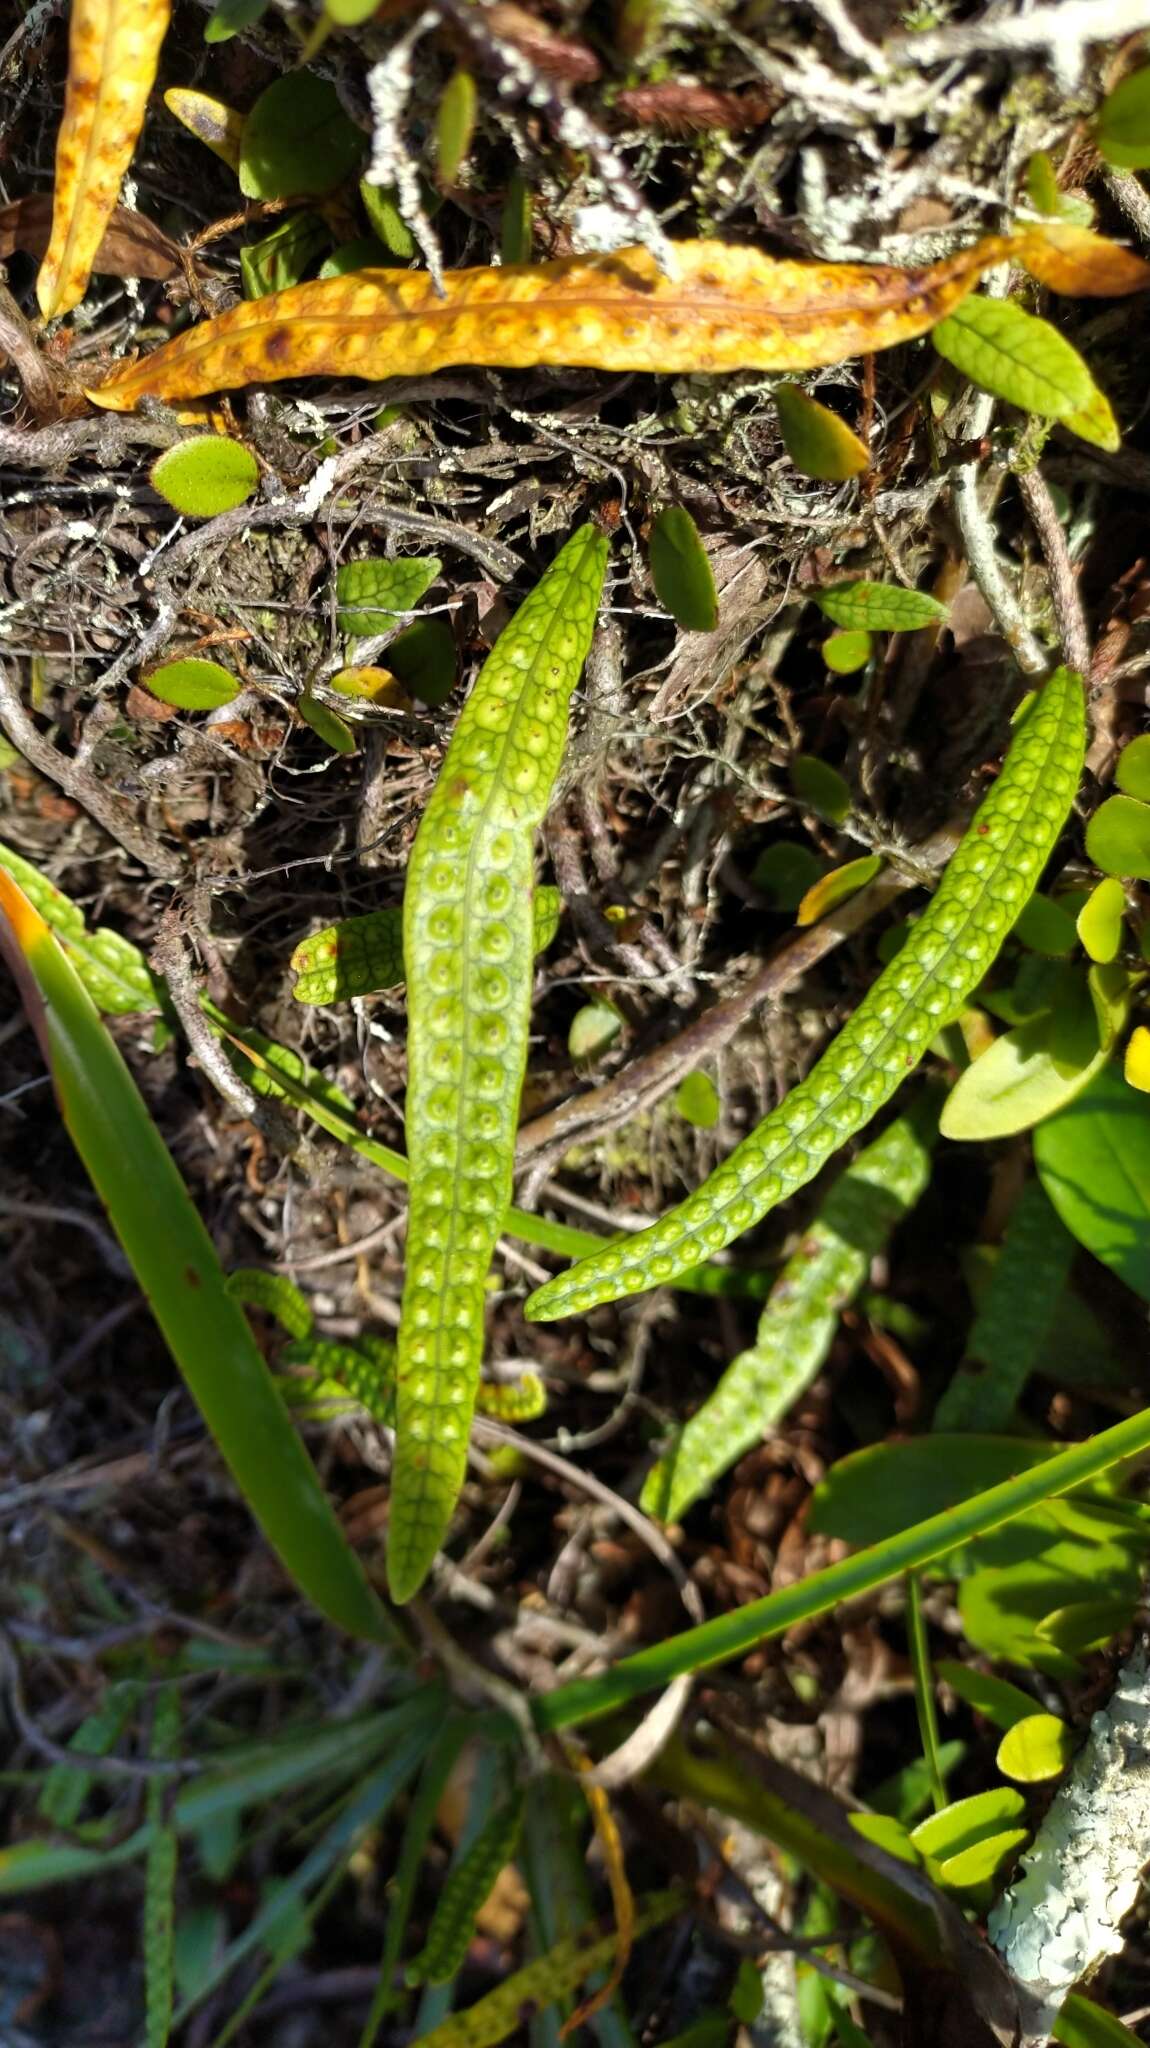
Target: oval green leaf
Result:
[[842, 883], [1122, 126], [365, 253], [1099, 922], [593, 1028], [783, 873], [379, 204], [423, 658], [873, 1493], [297, 139], [327, 725], [1132, 773], [455, 124], [205, 475], [285, 256], [193, 685], [516, 240], [879, 607], [370, 593], [1026, 361], [697, 1099], [1039, 1747], [1045, 927], [1094, 1162], [967, 1821], [1084, 1625], [995, 1698], [226, 20], [983, 1862], [817, 441], [820, 788], [1118, 837], [1030, 1073], [681, 572], [845, 653]]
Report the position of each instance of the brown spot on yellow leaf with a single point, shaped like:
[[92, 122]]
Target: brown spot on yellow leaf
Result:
[[113, 48]]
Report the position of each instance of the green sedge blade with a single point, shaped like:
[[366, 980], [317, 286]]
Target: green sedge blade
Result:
[[176, 1265], [468, 940], [992, 874], [160, 1877]]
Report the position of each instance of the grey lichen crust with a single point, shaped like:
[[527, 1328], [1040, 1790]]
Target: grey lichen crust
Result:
[[1083, 1873]]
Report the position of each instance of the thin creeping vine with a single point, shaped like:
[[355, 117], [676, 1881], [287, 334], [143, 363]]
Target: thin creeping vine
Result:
[[468, 940], [990, 877]]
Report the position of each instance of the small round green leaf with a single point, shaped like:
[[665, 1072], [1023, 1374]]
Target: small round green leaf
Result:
[[697, 1099], [593, 1028], [783, 873], [817, 441], [1132, 773], [1099, 922], [830, 890], [879, 607], [1122, 128], [226, 20], [297, 139], [205, 475], [328, 726], [845, 653], [681, 572], [350, 13], [820, 788], [1039, 1747], [455, 124], [1026, 361], [1118, 838], [1045, 927], [193, 685], [424, 660]]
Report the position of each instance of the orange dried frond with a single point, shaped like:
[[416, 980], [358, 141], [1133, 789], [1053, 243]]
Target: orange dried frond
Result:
[[113, 49], [726, 308]]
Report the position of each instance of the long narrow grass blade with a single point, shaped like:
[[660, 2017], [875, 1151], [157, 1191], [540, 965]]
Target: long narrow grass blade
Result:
[[176, 1264]]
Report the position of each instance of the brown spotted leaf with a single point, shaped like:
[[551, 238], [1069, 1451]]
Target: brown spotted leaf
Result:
[[726, 308], [113, 48], [131, 245]]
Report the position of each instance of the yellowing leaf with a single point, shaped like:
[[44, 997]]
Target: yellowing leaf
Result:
[[219, 127], [1137, 1067], [835, 888], [376, 685], [113, 49], [1072, 259], [1027, 362], [817, 441], [725, 308]]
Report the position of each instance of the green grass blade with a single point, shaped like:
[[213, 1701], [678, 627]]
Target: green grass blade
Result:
[[160, 1877], [733, 1635], [176, 1265], [924, 1689]]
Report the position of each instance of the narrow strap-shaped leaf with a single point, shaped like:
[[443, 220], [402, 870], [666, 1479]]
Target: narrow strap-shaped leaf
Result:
[[468, 1885], [275, 1294], [468, 943], [160, 1877], [113, 49], [801, 1315], [995, 869], [542, 1982], [726, 307], [1009, 1337]]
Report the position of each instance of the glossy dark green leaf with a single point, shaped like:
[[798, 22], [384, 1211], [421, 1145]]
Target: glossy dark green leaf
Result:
[[328, 726], [1118, 838], [193, 685], [297, 139], [1045, 927], [205, 475], [681, 572], [820, 788], [230, 16], [783, 873], [1094, 1160], [423, 657], [996, 1698]]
